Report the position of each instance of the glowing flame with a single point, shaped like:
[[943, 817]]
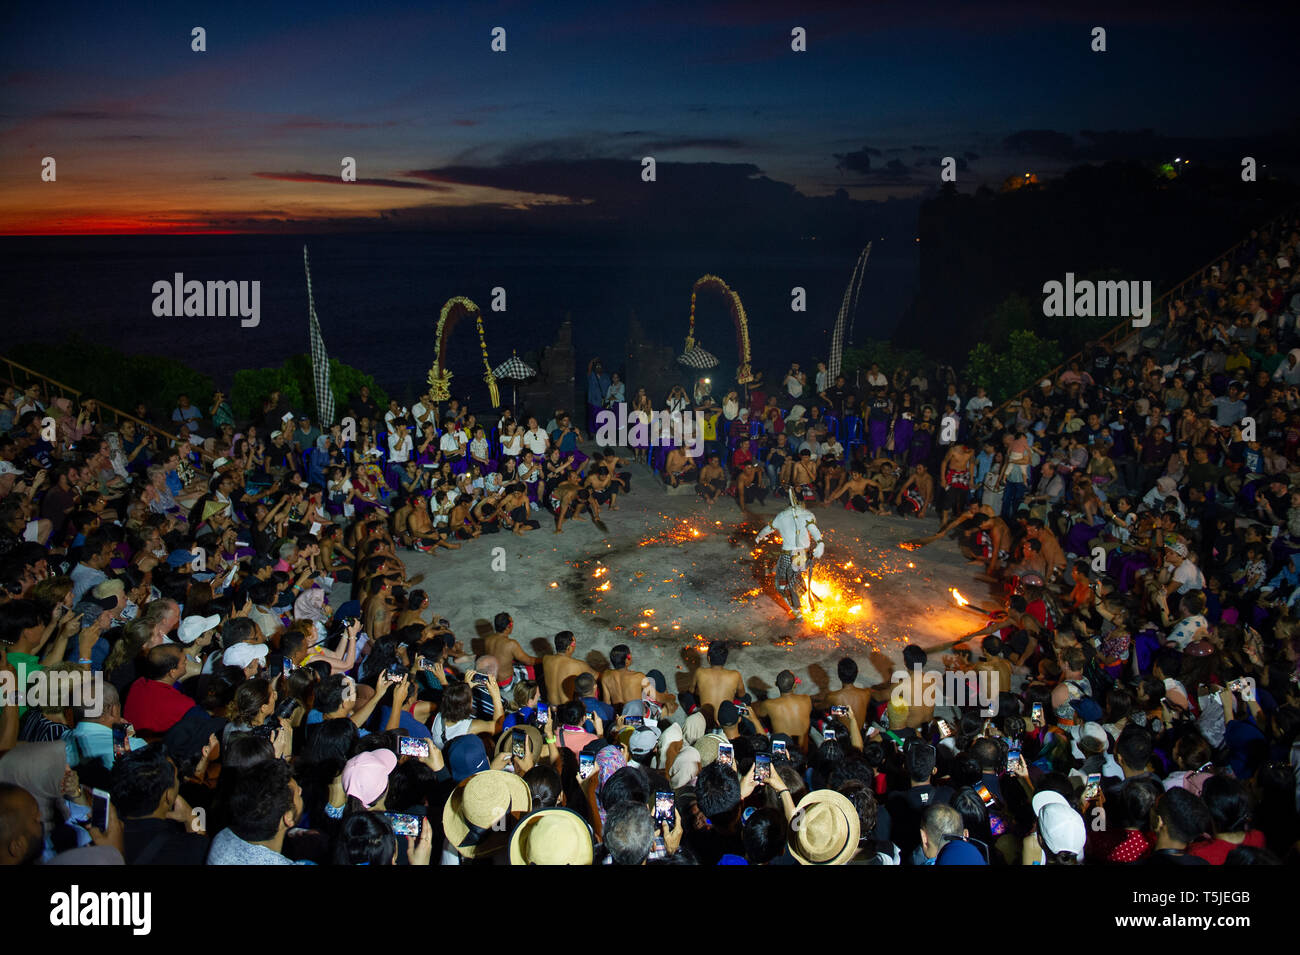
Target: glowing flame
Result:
[[600, 572], [837, 607], [604, 586], [956, 596]]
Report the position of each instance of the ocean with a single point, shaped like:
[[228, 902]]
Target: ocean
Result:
[[378, 297]]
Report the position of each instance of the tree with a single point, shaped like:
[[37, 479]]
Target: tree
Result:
[[1007, 370], [294, 380], [876, 352]]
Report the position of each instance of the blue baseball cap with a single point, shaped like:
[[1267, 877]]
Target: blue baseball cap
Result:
[[960, 852], [465, 757]]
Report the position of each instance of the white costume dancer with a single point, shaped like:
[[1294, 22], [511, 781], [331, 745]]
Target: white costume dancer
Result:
[[798, 529]]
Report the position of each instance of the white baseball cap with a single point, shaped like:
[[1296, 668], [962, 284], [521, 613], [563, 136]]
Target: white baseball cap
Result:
[[1060, 827], [242, 654], [192, 628]]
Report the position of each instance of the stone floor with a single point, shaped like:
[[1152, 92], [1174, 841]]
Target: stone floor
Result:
[[671, 575]]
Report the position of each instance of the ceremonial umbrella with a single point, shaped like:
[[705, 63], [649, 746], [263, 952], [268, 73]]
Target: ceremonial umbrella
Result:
[[513, 369], [697, 357]]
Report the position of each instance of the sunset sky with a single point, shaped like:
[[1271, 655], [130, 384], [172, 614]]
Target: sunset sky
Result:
[[151, 137]]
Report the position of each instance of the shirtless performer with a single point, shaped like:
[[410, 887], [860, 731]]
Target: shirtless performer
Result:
[[859, 491], [601, 484], [955, 480], [569, 499], [916, 493], [401, 517], [461, 519], [517, 510], [678, 467], [560, 667], [799, 531], [994, 542], [856, 698], [800, 475], [712, 482], [377, 613], [830, 466], [620, 683], [487, 513], [424, 537], [790, 713], [618, 471], [885, 473], [1053, 554], [715, 683], [749, 484], [510, 656]]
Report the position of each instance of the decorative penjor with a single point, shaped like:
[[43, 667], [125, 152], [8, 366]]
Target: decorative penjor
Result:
[[440, 374], [743, 374]]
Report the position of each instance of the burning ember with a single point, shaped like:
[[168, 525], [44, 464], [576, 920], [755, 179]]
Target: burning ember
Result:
[[837, 606], [680, 533]]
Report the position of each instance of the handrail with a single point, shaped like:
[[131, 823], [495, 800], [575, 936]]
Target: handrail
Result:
[[1127, 323], [117, 413]]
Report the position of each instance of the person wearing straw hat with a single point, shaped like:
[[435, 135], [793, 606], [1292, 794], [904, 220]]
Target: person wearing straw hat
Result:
[[478, 818], [554, 836], [824, 829]]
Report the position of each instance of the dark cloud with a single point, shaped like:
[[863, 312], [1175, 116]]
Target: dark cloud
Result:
[[336, 179], [616, 181], [311, 123], [857, 161], [100, 115], [733, 199], [1047, 143]]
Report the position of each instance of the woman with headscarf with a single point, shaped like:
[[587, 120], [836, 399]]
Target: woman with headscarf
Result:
[[42, 769], [311, 605], [1289, 371], [71, 428]]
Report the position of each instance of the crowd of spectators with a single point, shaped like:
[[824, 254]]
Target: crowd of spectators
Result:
[[262, 680]]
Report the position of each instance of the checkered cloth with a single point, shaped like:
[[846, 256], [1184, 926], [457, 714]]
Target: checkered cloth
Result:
[[320, 360], [787, 576], [513, 369], [848, 308]]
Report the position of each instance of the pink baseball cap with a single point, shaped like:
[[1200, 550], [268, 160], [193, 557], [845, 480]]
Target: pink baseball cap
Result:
[[366, 776]]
